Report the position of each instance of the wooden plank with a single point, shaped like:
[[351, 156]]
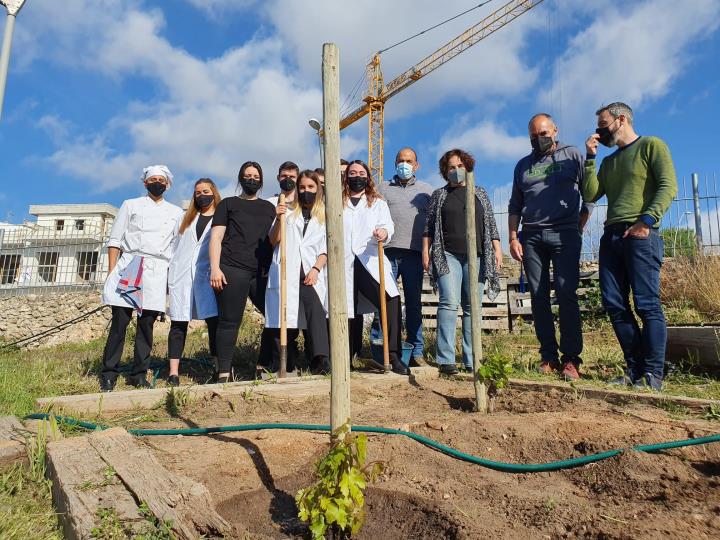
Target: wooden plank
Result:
[[82, 485], [487, 324], [489, 312], [112, 402], [184, 503], [12, 441], [701, 343], [609, 395]]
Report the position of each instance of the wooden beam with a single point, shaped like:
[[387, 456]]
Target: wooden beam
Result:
[[337, 299], [112, 471]]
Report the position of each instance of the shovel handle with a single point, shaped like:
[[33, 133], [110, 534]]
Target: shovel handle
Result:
[[383, 307]]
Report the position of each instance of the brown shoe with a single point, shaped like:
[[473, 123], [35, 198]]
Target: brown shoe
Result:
[[570, 371], [417, 361], [547, 367]]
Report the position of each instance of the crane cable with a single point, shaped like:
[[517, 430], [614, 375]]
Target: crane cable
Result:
[[435, 26]]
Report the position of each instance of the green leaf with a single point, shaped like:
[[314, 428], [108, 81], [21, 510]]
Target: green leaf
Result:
[[335, 514]]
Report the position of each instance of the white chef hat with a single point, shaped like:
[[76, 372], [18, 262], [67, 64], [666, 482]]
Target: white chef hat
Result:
[[157, 170]]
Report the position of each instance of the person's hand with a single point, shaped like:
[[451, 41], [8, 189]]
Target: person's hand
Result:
[[380, 235], [498, 259], [639, 230], [426, 260], [312, 277], [516, 249], [217, 279], [591, 144], [280, 209]]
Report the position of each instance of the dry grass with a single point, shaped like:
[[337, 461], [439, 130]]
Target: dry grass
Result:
[[694, 283]]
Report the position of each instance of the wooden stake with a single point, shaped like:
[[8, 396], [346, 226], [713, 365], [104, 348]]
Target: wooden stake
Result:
[[337, 299], [283, 294], [475, 292], [383, 307]]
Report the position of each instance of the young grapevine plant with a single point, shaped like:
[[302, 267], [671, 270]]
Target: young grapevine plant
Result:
[[335, 503]]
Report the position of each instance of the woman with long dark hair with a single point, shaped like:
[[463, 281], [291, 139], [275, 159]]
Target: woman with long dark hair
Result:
[[367, 221], [238, 240], [446, 254], [191, 296], [305, 256]]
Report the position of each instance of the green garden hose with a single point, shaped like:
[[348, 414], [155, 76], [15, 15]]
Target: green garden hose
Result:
[[490, 464]]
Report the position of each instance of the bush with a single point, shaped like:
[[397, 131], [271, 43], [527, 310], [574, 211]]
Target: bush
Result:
[[692, 283]]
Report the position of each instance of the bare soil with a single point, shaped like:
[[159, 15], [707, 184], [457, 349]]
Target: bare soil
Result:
[[253, 476]]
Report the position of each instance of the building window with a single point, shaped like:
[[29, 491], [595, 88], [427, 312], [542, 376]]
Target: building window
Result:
[[47, 266], [59, 224], [79, 224], [9, 265], [87, 265]]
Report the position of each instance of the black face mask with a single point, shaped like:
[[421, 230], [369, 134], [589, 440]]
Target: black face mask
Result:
[[541, 144], [307, 198], [357, 183], [606, 136], [156, 188], [203, 201], [287, 184], [250, 186]]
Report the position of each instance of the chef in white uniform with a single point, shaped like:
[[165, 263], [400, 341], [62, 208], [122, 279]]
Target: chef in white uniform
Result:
[[189, 291], [367, 220], [305, 255], [139, 251]]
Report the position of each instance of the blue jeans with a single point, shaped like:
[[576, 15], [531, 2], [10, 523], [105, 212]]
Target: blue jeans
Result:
[[562, 248], [634, 264], [407, 264], [454, 289]]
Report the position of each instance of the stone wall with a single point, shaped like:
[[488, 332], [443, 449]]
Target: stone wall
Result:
[[25, 316]]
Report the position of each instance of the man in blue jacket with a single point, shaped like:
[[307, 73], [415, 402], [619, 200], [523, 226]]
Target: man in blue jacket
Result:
[[546, 199]]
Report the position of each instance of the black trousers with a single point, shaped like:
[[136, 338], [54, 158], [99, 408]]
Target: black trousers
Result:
[[365, 284], [178, 334], [241, 285], [115, 343], [312, 313]]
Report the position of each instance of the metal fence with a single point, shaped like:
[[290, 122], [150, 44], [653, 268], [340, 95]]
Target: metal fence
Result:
[[37, 260]]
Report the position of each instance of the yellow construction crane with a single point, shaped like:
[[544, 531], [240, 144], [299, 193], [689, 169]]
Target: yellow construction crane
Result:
[[379, 93]]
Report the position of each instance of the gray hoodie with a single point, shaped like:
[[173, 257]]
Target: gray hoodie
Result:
[[546, 190]]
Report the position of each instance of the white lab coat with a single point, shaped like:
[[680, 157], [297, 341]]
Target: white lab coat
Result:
[[300, 250], [359, 223], [145, 228], [191, 296]]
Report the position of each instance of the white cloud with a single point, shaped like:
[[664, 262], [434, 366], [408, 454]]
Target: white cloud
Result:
[[485, 140], [631, 52], [493, 67], [207, 117]]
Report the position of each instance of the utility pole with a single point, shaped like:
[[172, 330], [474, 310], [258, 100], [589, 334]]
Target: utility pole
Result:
[[13, 7]]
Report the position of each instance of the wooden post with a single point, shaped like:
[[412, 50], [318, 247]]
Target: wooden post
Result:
[[383, 307], [337, 299], [283, 294], [475, 292]]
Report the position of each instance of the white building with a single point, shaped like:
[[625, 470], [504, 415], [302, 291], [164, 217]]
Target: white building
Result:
[[64, 247]]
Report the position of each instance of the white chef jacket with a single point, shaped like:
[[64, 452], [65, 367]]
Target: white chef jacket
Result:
[[300, 250], [190, 293], [145, 228], [359, 223]]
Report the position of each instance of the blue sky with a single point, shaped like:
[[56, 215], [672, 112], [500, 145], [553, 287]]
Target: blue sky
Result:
[[98, 89]]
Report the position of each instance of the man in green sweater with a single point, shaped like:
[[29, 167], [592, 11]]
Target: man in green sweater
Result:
[[640, 183]]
